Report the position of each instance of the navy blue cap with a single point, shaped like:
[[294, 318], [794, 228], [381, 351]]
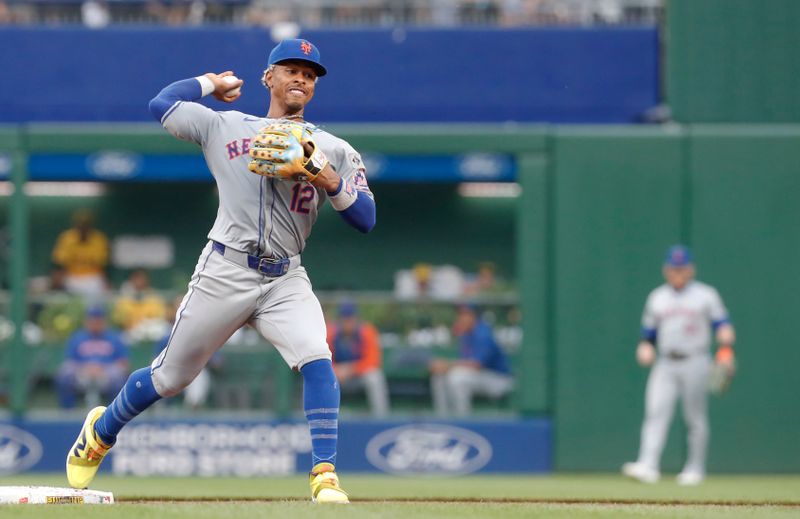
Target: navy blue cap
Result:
[[298, 49], [96, 311], [678, 256], [347, 309]]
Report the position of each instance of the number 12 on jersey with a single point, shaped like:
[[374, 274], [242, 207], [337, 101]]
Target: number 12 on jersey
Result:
[[302, 195]]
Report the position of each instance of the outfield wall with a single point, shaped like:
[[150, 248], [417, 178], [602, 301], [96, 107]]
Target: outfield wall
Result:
[[253, 448], [620, 197], [599, 207]]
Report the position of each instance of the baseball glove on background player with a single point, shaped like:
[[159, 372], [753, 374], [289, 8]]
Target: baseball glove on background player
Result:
[[722, 372], [285, 150]]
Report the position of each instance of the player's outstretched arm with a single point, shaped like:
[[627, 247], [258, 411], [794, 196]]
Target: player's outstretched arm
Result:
[[193, 89]]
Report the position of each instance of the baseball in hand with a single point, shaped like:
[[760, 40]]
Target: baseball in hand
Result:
[[232, 80]]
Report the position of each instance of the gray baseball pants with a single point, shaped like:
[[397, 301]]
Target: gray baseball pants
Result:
[[670, 380]]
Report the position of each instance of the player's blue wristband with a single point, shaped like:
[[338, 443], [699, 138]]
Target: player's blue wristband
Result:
[[361, 213], [649, 334], [184, 90], [716, 324]]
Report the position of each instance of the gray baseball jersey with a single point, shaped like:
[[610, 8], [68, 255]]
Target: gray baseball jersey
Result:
[[683, 318], [259, 215]]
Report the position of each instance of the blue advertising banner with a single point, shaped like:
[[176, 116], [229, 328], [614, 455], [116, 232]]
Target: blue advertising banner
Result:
[[469, 74], [260, 448], [116, 166]]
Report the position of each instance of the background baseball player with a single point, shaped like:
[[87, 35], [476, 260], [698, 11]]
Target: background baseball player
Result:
[[676, 335], [250, 270]]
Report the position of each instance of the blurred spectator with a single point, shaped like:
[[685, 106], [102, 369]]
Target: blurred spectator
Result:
[[197, 12], [95, 14], [268, 13], [485, 281], [83, 252], [444, 13], [481, 368], [52, 282], [5, 13], [95, 364], [414, 283], [56, 313], [357, 358], [443, 282], [139, 306], [177, 12], [196, 393]]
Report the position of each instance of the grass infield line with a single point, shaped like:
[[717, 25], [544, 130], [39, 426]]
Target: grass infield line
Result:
[[458, 500]]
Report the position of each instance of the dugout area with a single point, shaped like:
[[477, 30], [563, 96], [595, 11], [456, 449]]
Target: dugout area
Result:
[[598, 207]]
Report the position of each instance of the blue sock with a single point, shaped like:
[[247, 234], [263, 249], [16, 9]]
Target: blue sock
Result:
[[137, 394], [321, 404]]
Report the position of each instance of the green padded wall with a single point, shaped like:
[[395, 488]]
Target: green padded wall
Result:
[[734, 60], [617, 205], [731, 192], [746, 233]]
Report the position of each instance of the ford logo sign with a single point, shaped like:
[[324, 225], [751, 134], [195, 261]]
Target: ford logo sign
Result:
[[114, 165], [19, 450], [428, 449], [481, 166]]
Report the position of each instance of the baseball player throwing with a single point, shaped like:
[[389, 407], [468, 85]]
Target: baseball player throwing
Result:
[[676, 331], [250, 270]]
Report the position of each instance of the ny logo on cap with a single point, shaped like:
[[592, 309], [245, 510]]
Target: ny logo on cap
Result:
[[305, 47]]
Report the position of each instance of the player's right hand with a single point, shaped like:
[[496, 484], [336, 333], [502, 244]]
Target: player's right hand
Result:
[[645, 354], [221, 87]]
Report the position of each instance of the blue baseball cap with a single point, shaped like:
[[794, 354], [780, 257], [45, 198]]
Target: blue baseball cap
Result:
[[96, 311], [678, 256], [347, 309], [302, 50]]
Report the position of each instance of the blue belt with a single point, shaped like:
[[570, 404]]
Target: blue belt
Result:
[[273, 268]]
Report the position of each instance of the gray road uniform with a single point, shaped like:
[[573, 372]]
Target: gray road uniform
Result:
[[250, 271], [682, 322]]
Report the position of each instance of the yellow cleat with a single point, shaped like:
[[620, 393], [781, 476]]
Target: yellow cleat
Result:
[[86, 453], [325, 485]]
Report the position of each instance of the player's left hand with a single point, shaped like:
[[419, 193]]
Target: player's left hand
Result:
[[285, 150]]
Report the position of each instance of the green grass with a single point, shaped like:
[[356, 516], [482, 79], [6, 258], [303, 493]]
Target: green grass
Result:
[[573, 496]]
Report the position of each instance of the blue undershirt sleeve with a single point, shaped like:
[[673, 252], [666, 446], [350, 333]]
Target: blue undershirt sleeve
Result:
[[361, 214], [716, 324], [649, 334], [183, 90]]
